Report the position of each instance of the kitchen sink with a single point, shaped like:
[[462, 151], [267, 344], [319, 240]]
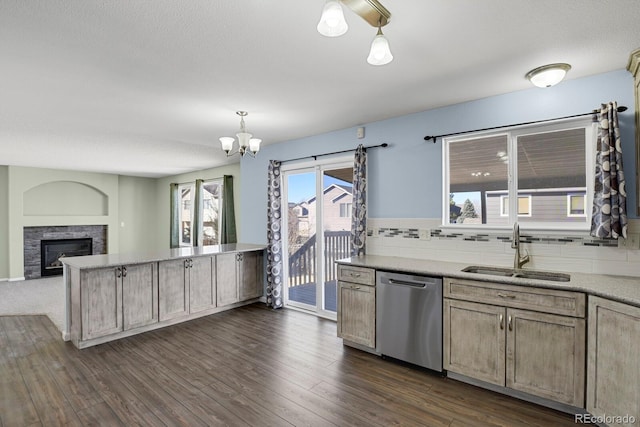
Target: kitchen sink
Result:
[[523, 274]]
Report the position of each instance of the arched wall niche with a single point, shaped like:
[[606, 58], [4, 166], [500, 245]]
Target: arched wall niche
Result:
[[65, 198]]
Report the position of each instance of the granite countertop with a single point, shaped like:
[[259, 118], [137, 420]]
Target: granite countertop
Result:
[[111, 260], [620, 288]]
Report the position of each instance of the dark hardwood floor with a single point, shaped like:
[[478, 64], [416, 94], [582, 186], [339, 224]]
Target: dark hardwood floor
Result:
[[249, 366]]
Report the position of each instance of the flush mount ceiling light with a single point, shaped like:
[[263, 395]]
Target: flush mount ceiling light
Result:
[[246, 144], [548, 75], [332, 24]]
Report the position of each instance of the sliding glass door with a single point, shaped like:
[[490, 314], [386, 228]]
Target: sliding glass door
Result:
[[318, 224]]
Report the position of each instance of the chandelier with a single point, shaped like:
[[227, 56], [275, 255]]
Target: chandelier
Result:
[[333, 24], [246, 144]]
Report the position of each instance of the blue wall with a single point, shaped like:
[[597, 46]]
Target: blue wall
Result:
[[405, 179]]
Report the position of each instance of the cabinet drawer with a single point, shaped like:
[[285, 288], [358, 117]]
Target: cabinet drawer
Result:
[[364, 276], [554, 301]]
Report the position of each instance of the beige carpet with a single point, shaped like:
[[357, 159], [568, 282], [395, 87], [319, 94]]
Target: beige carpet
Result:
[[36, 296]]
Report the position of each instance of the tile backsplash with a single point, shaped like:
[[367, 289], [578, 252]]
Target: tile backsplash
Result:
[[422, 238]]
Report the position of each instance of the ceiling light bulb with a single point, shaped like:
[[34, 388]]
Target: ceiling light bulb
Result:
[[227, 143], [548, 75], [254, 145], [380, 53], [332, 22]]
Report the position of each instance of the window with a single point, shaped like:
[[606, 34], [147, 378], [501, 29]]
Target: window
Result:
[[210, 223], [524, 206], [345, 210], [540, 176], [576, 205], [211, 210], [186, 193]]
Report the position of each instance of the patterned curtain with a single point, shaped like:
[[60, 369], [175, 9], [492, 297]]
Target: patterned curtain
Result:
[[228, 215], [274, 236], [174, 221], [359, 211], [609, 218]]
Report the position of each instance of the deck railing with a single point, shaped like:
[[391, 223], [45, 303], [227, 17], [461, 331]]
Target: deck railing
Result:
[[302, 263]]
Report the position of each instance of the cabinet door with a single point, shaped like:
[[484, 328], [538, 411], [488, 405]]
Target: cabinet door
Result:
[[101, 302], [139, 295], [474, 340], [227, 279], [173, 295], [202, 284], [546, 355], [250, 277], [357, 313], [613, 376]]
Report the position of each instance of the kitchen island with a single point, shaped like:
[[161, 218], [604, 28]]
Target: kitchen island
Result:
[[113, 296]]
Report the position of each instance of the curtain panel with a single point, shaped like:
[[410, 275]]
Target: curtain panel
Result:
[[274, 236], [174, 217], [609, 219], [359, 207], [228, 226]]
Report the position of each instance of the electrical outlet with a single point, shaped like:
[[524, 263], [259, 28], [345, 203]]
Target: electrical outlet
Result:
[[424, 234], [374, 232], [631, 242]]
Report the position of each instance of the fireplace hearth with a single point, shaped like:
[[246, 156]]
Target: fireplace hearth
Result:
[[52, 251]]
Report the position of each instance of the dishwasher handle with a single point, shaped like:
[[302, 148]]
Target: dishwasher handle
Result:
[[407, 283]]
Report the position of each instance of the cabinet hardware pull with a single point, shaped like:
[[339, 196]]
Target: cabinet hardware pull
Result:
[[355, 287], [355, 274], [118, 272], [186, 263], [501, 295], [124, 271], [510, 324], [191, 263], [501, 321]]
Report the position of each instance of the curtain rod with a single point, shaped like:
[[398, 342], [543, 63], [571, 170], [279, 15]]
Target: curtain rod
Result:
[[433, 138], [315, 157]]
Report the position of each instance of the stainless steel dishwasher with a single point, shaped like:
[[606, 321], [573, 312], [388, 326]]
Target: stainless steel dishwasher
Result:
[[409, 318]]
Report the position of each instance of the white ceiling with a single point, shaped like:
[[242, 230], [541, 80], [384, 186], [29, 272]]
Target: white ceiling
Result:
[[146, 87]]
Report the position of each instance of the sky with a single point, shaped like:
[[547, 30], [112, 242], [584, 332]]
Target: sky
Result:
[[302, 186]]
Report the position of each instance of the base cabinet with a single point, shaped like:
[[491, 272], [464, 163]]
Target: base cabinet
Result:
[[357, 305], [174, 288], [542, 354], [613, 369], [239, 277], [117, 299]]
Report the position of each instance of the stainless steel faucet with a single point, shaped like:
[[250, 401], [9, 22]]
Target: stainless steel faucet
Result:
[[518, 261]]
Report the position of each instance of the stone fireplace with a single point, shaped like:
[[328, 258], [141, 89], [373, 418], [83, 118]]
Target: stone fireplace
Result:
[[43, 246]]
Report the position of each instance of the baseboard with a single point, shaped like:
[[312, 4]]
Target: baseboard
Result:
[[4, 279], [66, 336], [15, 279]]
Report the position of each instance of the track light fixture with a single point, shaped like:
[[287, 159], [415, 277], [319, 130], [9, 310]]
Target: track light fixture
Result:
[[333, 24], [246, 144]]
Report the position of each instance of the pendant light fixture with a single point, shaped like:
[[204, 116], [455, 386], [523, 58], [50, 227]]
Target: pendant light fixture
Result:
[[548, 75], [332, 24], [380, 53], [246, 144]]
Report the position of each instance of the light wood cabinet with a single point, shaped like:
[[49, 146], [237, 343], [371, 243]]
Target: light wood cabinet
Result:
[[117, 299], [202, 284], [173, 278], [357, 305], [250, 278], [502, 342], [139, 295], [227, 271], [239, 277], [613, 369]]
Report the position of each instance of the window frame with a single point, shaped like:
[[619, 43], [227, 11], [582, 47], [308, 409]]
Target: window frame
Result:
[[220, 182], [572, 215], [513, 133], [506, 196], [192, 188]]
